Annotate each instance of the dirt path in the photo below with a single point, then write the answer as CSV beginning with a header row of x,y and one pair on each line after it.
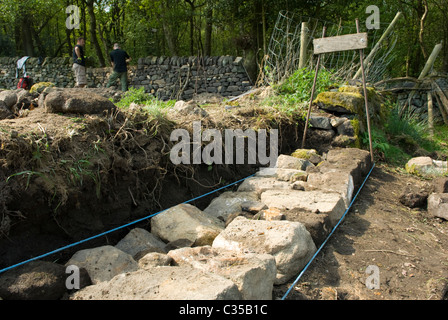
x,y
409,247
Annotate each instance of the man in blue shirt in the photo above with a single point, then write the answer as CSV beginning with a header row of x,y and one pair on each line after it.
x,y
119,59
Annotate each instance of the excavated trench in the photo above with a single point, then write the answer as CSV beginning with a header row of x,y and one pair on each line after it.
x,y
57,190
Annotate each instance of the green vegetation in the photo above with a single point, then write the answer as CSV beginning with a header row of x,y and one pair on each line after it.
x,y
293,95
404,137
147,103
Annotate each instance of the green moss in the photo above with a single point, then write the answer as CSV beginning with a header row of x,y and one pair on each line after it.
x,y
371,93
350,101
357,128
303,153
40,86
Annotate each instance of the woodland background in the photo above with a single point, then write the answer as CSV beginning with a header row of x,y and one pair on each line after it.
x,y
210,28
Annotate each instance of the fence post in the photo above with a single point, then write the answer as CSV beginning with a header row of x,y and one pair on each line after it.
x,y
378,44
303,45
430,114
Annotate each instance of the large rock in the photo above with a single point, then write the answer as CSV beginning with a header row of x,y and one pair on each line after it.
x,y
289,242
36,280
308,154
415,195
320,122
25,100
290,162
154,259
189,108
5,113
329,203
229,203
41,86
350,100
291,175
9,97
341,102
441,185
332,181
162,283
355,162
260,184
426,166
138,240
103,263
419,165
438,205
75,101
346,129
185,221
317,224
254,274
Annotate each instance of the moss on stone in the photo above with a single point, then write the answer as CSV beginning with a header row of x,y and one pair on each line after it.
x,y
350,99
40,86
351,102
356,124
303,153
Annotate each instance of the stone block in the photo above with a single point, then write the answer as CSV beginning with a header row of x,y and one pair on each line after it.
x,y
289,242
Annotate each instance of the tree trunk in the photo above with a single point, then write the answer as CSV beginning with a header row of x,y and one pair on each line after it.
x,y
27,39
93,37
68,33
192,32
208,31
167,29
423,17
104,41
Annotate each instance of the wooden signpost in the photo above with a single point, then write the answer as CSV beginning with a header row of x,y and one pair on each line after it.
x,y
340,43
357,41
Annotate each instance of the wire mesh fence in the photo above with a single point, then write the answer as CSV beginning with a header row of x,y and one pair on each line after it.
x,y
284,49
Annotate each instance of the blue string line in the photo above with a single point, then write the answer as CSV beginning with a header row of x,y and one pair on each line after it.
x,y
326,240
118,228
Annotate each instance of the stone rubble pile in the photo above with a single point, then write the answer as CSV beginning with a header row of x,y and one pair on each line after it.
x,y
239,247
435,195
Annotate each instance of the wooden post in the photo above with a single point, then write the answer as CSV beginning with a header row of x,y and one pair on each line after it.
x,y
378,44
312,94
366,98
432,58
430,115
303,45
441,109
442,101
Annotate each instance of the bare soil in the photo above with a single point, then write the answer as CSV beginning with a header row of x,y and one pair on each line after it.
x,y
409,247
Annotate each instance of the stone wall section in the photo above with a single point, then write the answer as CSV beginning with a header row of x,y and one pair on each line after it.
x,y
165,77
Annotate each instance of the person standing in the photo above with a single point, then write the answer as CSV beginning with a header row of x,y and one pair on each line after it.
x,y
119,59
79,63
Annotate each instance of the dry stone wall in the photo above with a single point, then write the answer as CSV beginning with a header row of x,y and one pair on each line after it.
x,y
165,77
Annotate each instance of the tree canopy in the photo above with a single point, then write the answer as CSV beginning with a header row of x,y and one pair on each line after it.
x,y
205,27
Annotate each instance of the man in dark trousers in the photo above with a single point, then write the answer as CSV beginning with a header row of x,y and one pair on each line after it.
x,y
79,63
119,59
